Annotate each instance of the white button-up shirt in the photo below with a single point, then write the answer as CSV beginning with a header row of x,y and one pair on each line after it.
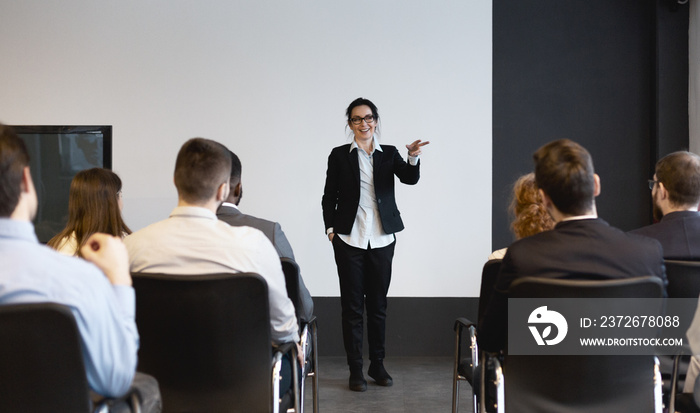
x,y
367,229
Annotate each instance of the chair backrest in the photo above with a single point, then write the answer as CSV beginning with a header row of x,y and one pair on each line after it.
x,y
41,362
206,339
488,281
683,282
291,277
683,278
634,287
581,383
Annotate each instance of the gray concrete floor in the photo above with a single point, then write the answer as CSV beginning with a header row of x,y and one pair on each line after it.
x,y
421,384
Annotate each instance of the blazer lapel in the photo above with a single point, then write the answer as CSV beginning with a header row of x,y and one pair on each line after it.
x,y
354,165
378,156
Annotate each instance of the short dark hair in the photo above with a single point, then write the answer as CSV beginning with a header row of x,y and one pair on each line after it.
x,y
564,171
680,174
236,167
202,165
13,158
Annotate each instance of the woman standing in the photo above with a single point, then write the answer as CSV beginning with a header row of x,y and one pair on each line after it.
x,y
94,205
361,217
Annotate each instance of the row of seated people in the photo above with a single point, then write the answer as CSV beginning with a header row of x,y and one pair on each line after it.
x,y
559,234
205,233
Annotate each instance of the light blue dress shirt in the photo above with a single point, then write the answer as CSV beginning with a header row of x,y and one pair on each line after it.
x,y
32,273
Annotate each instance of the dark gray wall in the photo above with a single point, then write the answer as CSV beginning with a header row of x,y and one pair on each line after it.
x,y
609,74
415,326
671,48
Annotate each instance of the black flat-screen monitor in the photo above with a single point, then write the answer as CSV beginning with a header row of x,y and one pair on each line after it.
x,y
56,154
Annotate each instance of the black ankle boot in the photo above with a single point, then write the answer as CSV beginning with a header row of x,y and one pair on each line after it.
x,y
357,379
379,374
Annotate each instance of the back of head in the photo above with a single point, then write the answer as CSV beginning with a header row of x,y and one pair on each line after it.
x,y
93,206
236,167
530,215
564,171
13,159
680,174
202,165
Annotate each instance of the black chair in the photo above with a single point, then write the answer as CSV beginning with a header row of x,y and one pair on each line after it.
x,y
308,331
583,383
683,278
207,340
41,362
467,359
683,282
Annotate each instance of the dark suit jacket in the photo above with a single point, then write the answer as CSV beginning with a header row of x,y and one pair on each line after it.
x,y
341,195
679,235
273,231
582,249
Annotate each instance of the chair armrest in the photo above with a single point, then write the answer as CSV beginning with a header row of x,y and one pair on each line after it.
x,y
495,366
463,322
129,402
674,383
279,350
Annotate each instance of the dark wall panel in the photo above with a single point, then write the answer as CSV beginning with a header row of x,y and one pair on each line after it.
x,y
671,79
415,326
583,70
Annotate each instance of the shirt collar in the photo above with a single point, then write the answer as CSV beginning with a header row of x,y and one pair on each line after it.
x,y
579,217
192,212
679,215
12,228
377,147
230,205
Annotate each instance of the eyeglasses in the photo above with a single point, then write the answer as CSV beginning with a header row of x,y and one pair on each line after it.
x,y
652,183
357,121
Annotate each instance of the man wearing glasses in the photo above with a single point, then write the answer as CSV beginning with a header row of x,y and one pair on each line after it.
x,y
675,193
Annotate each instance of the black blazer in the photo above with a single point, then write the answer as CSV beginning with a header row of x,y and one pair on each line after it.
x,y
587,249
341,194
679,235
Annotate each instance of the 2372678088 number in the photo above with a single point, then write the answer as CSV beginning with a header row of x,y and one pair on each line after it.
x,y
640,321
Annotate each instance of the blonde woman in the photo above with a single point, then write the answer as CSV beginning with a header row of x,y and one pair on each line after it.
x,y
530,216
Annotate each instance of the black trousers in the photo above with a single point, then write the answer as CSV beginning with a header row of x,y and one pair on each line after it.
x,y
364,276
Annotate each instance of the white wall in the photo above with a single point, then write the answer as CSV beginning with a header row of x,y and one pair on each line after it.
x,y
271,80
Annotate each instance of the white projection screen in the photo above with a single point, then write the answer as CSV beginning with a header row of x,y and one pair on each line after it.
x,y
271,80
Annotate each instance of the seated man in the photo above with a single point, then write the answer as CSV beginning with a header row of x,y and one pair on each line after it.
x,y
675,194
581,245
229,213
100,297
675,197
193,241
